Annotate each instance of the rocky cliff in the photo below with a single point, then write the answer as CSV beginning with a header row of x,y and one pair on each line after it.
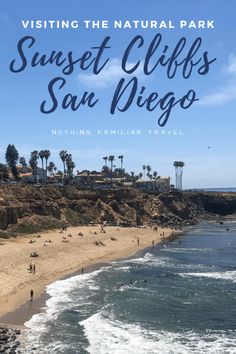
x,y
26,208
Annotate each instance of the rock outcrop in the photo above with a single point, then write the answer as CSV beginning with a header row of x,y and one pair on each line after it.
x,y
9,342
26,208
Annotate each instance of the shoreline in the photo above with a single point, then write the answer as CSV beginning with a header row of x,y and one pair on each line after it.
x,y
18,309
18,317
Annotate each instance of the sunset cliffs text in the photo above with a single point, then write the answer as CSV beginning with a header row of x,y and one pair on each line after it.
x,y
138,57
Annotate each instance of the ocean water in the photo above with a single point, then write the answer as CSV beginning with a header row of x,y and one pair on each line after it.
x,y
231,190
182,300
220,190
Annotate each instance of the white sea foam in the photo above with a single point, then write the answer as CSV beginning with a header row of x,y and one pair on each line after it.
x,y
161,261
124,268
229,275
94,287
108,336
60,300
134,260
131,287
150,259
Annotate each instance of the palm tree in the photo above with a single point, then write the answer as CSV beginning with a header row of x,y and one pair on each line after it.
x,y
121,157
148,167
111,158
12,157
144,168
63,154
51,167
70,165
148,171
105,167
23,163
105,159
155,174
47,154
41,156
34,163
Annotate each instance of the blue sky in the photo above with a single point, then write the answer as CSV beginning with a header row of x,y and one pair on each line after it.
x,y
207,140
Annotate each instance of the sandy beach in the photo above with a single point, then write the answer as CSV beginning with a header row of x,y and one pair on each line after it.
x,y
61,253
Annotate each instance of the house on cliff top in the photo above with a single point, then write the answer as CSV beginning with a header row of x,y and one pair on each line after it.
x,y
159,184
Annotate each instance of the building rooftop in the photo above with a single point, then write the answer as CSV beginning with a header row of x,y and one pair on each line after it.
x,y
143,180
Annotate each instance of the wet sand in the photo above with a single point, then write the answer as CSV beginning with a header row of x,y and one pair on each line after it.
x,y
66,254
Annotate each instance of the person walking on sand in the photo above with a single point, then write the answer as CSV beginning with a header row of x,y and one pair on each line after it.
x,y
34,269
138,241
82,271
102,228
153,244
31,294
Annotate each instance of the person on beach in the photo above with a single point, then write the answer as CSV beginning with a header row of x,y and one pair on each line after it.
x,y
138,241
153,243
82,271
30,267
31,294
102,228
34,269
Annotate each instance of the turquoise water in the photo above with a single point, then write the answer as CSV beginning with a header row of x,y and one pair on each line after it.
x,y
182,299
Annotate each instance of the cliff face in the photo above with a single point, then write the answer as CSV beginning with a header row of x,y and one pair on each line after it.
x,y
29,208
216,203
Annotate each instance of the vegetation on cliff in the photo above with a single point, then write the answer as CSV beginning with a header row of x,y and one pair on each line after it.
x,y
25,208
